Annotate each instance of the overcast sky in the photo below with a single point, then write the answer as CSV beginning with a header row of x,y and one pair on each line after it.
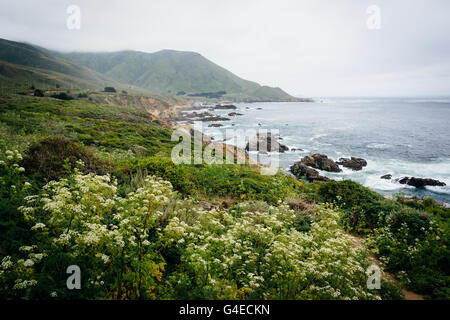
x,y
307,47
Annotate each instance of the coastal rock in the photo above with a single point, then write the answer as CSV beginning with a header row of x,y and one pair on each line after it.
x,y
233,114
203,116
265,142
320,161
421,182
198,115
386,177
214,118
301,171
215,125
225,107
353,163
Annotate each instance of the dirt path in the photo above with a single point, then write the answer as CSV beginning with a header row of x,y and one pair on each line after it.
x,y
409,295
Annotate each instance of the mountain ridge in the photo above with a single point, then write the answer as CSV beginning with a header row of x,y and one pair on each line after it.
x,y
172,71
166,72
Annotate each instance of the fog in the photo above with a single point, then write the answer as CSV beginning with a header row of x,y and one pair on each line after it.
x,y
312,48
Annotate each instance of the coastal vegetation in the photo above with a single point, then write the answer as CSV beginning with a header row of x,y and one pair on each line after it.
x,y
93,185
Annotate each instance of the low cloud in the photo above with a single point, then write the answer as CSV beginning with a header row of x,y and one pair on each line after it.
x,y
316,48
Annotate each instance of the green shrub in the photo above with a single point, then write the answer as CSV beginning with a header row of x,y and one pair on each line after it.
x,y
110,89
391,291
428,205
364,208
433,284
38,93
416,221
242,182
62,96
54,157
414,247
14,230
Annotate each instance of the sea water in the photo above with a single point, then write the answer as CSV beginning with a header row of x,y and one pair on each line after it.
x,y
398,136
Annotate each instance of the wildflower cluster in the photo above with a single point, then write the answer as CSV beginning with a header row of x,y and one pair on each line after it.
x,y
81,220
260,255
151,244
10,166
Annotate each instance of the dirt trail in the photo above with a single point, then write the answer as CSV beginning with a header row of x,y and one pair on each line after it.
x,y
409,295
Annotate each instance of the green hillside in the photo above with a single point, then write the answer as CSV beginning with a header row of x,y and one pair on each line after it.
x,y
23,64
165,72
172,72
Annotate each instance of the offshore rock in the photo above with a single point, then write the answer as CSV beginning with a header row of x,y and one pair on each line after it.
x,y
321,162
353,163
301,171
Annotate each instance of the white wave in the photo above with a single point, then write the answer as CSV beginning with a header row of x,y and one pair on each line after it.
x,y
317,136
375,182
375,145
439,170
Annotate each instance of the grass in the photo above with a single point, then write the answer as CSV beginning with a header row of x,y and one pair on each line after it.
x,y
24,120
217,182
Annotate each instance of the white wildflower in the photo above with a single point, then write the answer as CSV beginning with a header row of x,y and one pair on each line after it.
x,y
38,226
28,263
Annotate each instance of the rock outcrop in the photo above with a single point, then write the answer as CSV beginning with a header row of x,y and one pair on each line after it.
x,y
200,116
214,118
196,114
421,182
353,163
225,107
301,171
321,162
265,142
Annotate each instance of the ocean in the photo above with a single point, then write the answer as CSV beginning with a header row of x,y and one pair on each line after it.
x,y
398,136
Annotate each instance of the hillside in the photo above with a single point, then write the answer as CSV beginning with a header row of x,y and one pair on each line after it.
x,y
167,72
174,72
23,64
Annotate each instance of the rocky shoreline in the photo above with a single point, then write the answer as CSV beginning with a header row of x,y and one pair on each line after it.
x,y
303,170
308,167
